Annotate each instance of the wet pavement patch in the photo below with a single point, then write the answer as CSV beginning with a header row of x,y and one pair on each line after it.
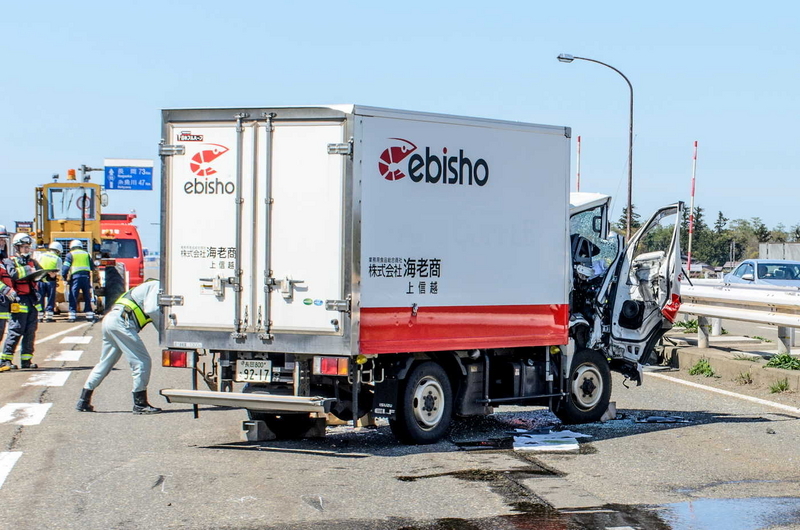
x,y
732,514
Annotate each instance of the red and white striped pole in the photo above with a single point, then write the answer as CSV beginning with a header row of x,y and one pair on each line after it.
x,y
578,185
691,210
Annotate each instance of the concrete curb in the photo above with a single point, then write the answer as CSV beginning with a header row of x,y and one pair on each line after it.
x,y
727,361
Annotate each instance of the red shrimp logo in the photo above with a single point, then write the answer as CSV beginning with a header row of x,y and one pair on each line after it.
x,y
392,156
201,160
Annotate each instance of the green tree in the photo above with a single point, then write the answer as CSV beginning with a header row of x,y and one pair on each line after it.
x,y
636,223
719,225
743,234
779,234
760,229
794,234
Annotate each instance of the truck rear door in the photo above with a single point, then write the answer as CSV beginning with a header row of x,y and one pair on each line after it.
x,y
304,228
254,225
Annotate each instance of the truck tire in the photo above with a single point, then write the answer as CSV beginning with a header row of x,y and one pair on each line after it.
x,y
114,286
425,405
589,388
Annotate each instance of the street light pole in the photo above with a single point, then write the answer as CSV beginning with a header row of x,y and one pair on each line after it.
x,y
566,58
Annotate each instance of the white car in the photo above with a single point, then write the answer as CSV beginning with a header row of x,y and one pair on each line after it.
x,y
766,272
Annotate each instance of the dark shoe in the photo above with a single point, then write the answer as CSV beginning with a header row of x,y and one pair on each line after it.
x,y
5,366
27,364
140,404
85,402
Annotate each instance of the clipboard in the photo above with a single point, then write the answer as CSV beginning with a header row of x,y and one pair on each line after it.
x,y
37,275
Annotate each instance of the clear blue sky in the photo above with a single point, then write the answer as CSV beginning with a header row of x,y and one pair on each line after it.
x,y
84,81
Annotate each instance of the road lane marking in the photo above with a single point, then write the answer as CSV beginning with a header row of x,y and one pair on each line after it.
x,y
76,340
47,379
24,413
54,335
66,355
781,406
7,461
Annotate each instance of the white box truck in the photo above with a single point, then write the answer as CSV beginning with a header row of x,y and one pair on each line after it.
x,y
412,265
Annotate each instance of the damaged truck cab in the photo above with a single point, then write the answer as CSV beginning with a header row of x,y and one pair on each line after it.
x,y
354,260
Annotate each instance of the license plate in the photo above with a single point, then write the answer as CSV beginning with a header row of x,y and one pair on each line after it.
x,y
256,371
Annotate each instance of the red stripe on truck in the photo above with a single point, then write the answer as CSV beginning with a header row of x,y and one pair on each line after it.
x,y
394,329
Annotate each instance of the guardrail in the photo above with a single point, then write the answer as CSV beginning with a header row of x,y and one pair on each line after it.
x,y
712,299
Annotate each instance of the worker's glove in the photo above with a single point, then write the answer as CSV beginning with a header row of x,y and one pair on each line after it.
x,y
12,296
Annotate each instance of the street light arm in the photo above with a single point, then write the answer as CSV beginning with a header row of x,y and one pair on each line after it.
x,y
566,58
609,66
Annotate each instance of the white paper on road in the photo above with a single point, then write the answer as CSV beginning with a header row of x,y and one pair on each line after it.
x,y
76,340
7,461
558,441
66,355
24,413
47,379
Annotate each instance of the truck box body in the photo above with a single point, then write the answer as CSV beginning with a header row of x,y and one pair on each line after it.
x,y
435,230
416,266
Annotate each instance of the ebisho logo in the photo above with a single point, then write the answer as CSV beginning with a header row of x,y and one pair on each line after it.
x,y
200,164
400,161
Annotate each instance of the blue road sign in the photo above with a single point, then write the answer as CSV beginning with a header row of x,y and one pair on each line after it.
x,y
129,178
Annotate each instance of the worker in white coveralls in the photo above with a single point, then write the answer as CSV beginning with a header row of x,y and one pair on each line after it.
x,y
121,326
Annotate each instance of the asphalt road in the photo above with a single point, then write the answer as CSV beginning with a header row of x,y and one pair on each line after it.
x,y
111,469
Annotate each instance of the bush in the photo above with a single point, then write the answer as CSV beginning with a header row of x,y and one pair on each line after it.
x,y
779,386
689,326
702,368
785,361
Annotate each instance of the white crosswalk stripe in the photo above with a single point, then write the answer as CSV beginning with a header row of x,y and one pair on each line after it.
x,y
76,340
66,355
24,413
7,461
47,379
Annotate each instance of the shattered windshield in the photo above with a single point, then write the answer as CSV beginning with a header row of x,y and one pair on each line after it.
x,y
585,224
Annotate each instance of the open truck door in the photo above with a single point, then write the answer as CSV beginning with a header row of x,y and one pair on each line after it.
x,y
643,294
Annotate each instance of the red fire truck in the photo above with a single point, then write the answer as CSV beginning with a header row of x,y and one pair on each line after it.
x,y
120,241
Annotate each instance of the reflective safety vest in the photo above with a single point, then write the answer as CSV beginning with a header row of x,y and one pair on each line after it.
x,y
24,308
23,270
49,260
126,301
80,261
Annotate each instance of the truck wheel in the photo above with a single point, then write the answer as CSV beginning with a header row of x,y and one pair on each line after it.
x,y
114,286
425,406
589,388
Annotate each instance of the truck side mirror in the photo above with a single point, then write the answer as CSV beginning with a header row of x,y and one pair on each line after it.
x,y
749,277
597,224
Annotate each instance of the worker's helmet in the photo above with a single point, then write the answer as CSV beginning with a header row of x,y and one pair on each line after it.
x,y
75,243
22,239
3,231
55,245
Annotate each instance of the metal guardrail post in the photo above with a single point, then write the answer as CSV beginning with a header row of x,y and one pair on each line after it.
x,y
716,327
785,339
703,329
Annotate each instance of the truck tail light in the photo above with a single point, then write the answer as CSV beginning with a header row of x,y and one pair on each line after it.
x,y
176,358
331,366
